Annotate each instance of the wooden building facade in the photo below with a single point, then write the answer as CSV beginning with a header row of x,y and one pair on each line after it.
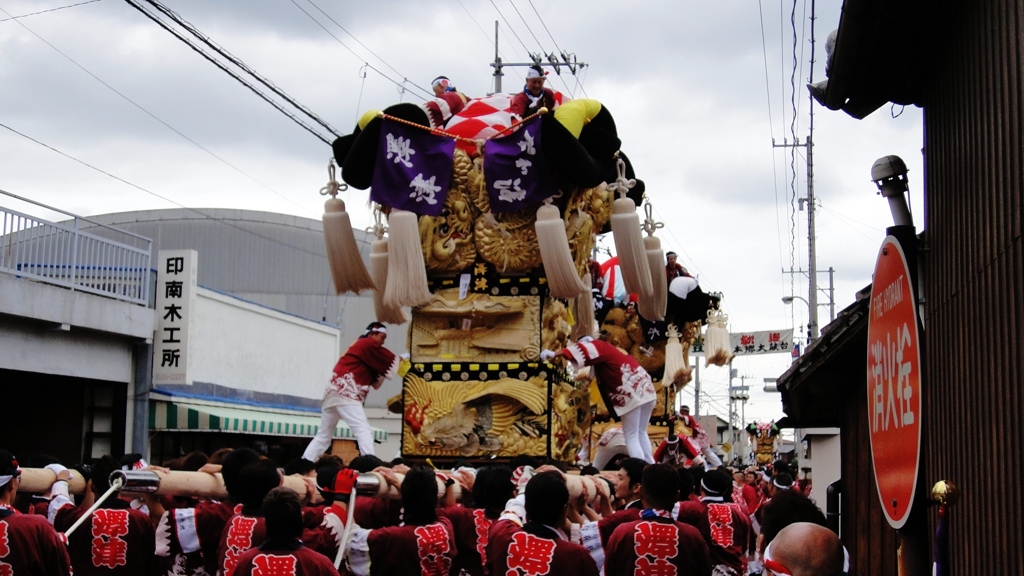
x,y
963,62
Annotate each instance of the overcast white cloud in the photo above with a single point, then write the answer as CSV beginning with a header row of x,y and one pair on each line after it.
x,y
686,82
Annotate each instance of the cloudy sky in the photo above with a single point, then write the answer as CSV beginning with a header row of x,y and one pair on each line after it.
x,y
699,90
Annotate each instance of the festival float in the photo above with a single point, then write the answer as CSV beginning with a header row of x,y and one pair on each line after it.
x,y
485,227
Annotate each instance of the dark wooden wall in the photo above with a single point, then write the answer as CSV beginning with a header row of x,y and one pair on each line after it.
x,y
863,527
973,279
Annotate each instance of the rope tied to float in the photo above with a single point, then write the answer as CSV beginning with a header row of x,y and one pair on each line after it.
x,y
477,143
650,224
622,185
333,186
378,229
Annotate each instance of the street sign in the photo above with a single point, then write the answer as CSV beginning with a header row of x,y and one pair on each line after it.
x,y
894,383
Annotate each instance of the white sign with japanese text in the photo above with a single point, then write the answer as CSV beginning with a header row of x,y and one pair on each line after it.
x,y
754,343
177,272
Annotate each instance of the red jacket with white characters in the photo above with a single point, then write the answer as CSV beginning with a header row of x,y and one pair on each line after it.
x,y
364,363
292,559
624,384
657,545
472,527
241,533
409,550
116,539
725,529
535,550
30,546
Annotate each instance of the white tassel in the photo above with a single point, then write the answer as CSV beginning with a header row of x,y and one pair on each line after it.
x,y
379,271
677,369
717,347
653,307
629,242
407,272
347,268
583,310
563,279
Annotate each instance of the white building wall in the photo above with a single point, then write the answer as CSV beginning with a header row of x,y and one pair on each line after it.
x,y
248,347
825,460
54,330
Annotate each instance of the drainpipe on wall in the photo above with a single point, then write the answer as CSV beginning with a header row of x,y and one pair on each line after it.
x,y
142,361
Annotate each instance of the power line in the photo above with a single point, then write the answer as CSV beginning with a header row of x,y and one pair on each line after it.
x,y
155,195
510,27
150,114
528,29
238,63
545,27
338,40
45,11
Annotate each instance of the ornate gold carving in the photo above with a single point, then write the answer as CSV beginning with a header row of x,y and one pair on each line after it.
x,y
448,239
508,240
503,417
478,327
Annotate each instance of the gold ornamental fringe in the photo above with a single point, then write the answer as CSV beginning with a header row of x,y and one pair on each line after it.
x,y
559,268
407,272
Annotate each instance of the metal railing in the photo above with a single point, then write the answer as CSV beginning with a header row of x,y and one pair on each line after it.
x,y
63,255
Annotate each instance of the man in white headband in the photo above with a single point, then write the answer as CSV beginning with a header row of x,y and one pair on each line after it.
x,y
533,96
726,530
28,543
447,102
366,364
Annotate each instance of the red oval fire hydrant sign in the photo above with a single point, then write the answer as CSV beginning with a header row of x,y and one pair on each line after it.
x,y
894,383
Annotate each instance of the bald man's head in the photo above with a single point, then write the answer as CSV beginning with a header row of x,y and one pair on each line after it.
x,y
807,549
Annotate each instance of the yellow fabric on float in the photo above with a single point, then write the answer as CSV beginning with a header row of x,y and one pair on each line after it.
x,y
575,114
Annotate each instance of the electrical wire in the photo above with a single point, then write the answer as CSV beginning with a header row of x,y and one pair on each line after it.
x,y
50,10
232,73
153,116
553,41
233,60
405,80
161,197
528,29
510,27
539,43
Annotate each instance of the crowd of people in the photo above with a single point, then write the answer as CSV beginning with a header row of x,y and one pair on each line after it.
x,y
515,518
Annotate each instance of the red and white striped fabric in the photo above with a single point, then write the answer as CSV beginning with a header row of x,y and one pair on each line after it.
x,y
484,117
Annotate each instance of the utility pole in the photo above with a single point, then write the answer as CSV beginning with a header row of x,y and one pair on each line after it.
x,y
737,394
812,255
555,61
696,389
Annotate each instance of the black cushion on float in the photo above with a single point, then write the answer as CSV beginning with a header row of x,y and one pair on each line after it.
x,y
357,170
566,156
600,138
690,309
342,145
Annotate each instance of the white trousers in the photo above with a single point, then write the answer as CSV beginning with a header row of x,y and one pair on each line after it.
x,y
634,429
354,417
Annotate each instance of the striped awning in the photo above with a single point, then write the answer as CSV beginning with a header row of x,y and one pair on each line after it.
x,y
181,416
